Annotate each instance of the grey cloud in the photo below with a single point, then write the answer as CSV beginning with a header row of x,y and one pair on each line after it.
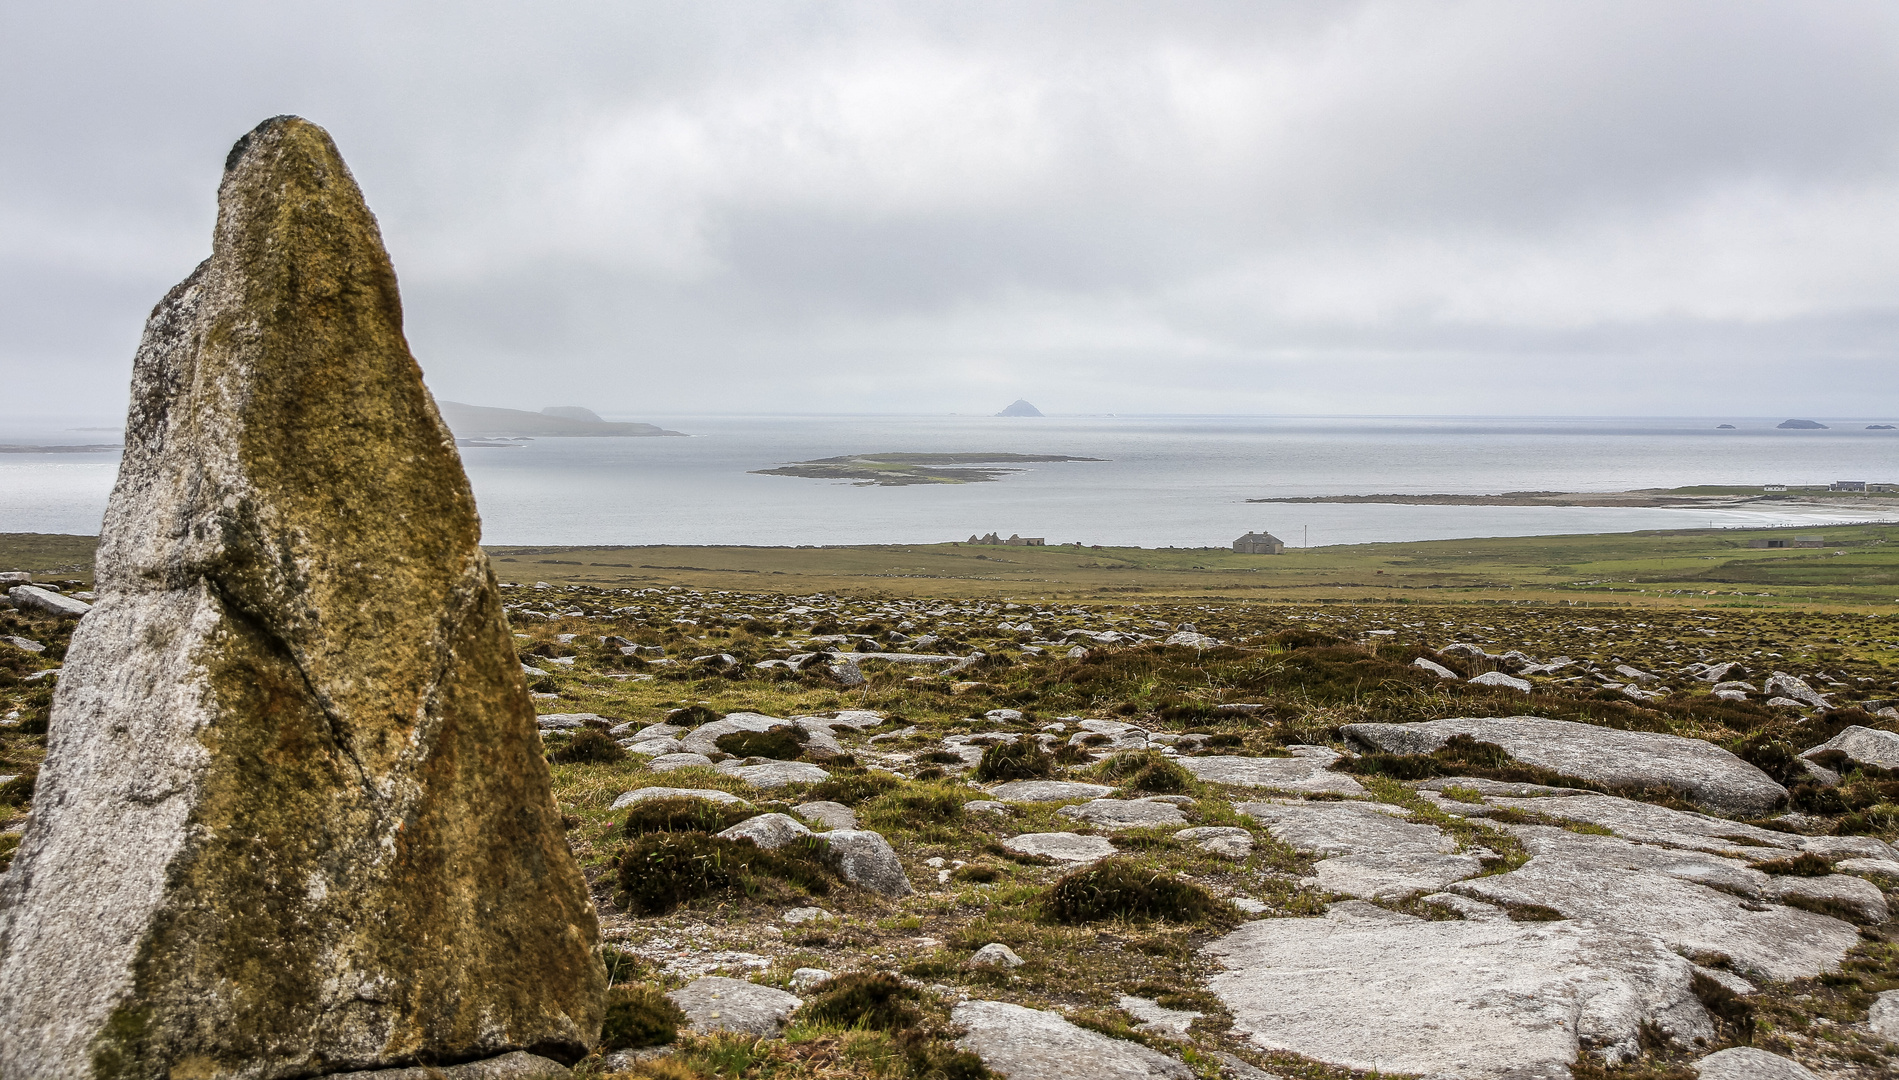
x,y
1209,207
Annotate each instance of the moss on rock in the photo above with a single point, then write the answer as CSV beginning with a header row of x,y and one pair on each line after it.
x,y
294,816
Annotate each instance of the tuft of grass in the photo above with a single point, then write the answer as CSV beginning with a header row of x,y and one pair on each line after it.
x,y
693,716
1533,913
1805,864
782,742
1023,759
853,788
639,1015
589,746
683,814
1117,888
1727,1007
663,1068
660,871
1146,771
1461,755
874,1000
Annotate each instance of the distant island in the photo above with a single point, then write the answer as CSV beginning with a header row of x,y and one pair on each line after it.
x,y
89,448
1802,425
1020,408
479,422
901,470
1706,497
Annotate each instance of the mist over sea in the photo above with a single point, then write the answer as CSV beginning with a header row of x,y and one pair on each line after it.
x,y
1180,481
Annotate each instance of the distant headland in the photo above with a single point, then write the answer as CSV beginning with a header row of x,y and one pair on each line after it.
x,y
483,422
1838,493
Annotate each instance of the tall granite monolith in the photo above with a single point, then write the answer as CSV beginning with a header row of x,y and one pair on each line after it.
x,y
294,819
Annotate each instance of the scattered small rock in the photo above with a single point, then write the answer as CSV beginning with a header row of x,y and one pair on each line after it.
x,y
715,1003
804,980
831,815
996,954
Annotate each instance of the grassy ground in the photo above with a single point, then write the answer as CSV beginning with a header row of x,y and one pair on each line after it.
x,y
1308,666
1685,568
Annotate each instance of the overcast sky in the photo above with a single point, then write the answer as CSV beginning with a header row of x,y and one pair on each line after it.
x,y
651,208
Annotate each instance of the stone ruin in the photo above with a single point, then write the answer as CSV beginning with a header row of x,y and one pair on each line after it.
x,y
294,818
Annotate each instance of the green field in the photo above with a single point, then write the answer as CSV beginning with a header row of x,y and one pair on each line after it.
x,y
1690,567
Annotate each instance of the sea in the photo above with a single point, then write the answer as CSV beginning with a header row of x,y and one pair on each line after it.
x,y
1162,481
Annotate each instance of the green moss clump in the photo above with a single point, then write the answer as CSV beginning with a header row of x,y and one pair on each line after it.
x,y
1023,759
693,716
588,746
780,743
683,814
1118,889
880,1001
1460,755
1146,771
853,788
640,1015
875,1000
1805,864
660,871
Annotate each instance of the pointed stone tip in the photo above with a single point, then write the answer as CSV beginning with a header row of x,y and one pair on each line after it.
x,y
237,149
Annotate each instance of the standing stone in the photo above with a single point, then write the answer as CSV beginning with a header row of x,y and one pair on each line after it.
x,y
294,818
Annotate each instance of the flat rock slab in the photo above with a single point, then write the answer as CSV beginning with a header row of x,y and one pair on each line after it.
x,y
1307,770
1843,891
1659,892
715,1003
1049,791
1125,814
519,1065
1747,1063
669,762
1393,874
1029,1044
1699,771
1346,828
1656,824
1868,746
627,799
1504,788
1465,1000
1062,846
774,774
831,815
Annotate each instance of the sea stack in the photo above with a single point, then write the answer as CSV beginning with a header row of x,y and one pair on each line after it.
x,y
294,818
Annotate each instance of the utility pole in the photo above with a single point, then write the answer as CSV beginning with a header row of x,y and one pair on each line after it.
x,y
1307,542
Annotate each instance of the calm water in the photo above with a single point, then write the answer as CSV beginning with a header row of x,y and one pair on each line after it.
x,y
1166,481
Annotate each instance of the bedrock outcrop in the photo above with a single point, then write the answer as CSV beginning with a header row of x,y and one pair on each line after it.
x,y
294,818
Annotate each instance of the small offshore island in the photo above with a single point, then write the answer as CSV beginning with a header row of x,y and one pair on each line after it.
x,y
900,470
